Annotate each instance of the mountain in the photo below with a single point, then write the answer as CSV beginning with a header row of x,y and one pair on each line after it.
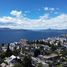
x,y
11,35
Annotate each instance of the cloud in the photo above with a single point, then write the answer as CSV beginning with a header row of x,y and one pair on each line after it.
x,y
56,12
46,8
43,22
52,9
59,22
6,19
49,9
16,13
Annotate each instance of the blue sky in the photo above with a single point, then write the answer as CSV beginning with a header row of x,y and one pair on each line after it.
x,y
24,5
33,14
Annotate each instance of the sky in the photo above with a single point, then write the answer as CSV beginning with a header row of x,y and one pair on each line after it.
x,y
33,14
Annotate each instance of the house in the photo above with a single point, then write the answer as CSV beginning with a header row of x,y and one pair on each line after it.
x,y
3,65
36,61
64,64
53,55
23,42
12,60
4,48
12,46
9,59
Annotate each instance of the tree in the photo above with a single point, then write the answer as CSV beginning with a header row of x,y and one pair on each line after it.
x,y
16,51
27,61
3,55
54,47
2,44
8,52
36,52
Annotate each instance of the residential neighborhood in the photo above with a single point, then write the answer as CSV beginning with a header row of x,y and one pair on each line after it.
x,y
50,52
